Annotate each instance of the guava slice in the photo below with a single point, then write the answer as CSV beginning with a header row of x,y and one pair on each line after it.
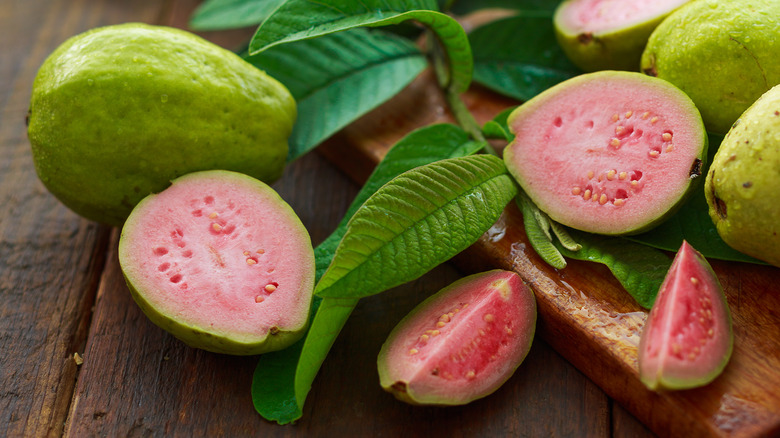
x,y
221,262
609,152
723,54
461,343
608,34
118,111
687,339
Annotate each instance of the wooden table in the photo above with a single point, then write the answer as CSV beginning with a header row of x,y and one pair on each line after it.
x,y
62,295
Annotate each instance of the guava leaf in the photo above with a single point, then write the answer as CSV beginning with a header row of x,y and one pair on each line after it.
x,y
546,7
539,238
693,224
418,220
283,379
304,19
231,14
640,269
337,78
519,56
420,147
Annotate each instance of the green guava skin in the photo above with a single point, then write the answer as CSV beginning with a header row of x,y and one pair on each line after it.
x,y
743,184
618,49
723,54
119,111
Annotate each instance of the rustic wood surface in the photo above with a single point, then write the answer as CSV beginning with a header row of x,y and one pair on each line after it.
x,y
63,295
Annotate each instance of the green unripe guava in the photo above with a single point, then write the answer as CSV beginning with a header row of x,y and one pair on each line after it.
x,y
118,112
723,54
743,183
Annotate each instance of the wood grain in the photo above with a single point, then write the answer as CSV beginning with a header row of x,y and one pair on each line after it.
x,y
585,313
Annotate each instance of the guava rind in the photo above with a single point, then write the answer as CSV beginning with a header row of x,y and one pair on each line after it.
x,y
118,111
484,325
574,124
197,258
613,46
743,182
723,54
687,339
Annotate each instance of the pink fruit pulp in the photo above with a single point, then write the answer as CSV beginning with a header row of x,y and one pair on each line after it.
x,y
462,343
217,253
687,338
607,152
601,16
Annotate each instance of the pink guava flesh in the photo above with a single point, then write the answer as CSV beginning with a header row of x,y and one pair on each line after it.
x,y
687,339
608,152
221,253
602,16
462,343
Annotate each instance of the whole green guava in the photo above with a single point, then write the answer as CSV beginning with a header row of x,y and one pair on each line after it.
x,y
119,111
743,183
723,54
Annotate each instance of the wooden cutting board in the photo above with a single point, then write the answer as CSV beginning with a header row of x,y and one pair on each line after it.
x,y
584,313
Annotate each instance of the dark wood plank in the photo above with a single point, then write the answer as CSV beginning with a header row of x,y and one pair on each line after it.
x,y
49,258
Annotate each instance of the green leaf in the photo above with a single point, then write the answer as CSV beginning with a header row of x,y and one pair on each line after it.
x,y
538,236
693,224
519,56
542,7
304,19
337,78
639,269
283,379
421,147
231,14
418,220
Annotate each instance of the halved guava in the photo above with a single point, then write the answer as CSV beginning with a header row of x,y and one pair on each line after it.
x,y
608,34
220,261
462,343
608,152
687,339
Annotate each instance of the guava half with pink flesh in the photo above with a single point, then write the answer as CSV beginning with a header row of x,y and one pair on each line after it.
x,y
687,339
608,34
462,343
220,261
608,152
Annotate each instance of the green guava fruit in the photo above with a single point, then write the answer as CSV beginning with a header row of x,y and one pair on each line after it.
x,y
610,152
221,262
608,34
743,184
723,54
687,339
461,343
118,111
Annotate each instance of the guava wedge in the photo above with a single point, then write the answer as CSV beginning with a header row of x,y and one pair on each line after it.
x,y
723,54
687,339
221,262
742,187
118,111
608,34
610,152
462,343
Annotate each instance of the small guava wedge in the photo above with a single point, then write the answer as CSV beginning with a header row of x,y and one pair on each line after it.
x,y
462,343
608,34
609,152
220,261
119,111
687,339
